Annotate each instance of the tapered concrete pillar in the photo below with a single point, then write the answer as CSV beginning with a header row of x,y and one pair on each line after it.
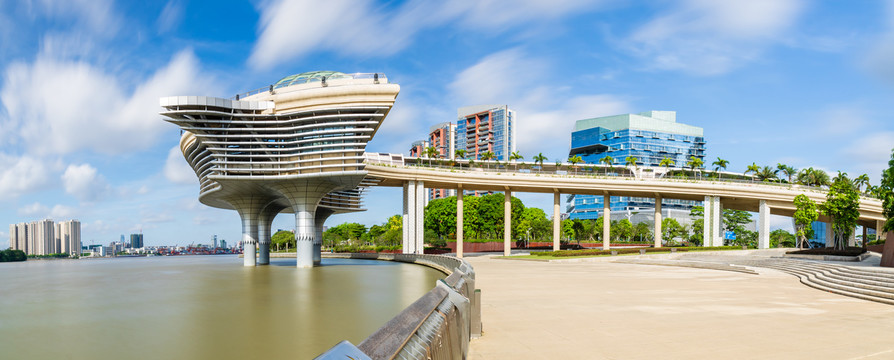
x,y
879,225
606,222
852,238
409,214
265,221
716,220
320,217
707,229
865,235
763,231
507,223
557,222
304,234
249,238
419,219
303,198
459,223
657,229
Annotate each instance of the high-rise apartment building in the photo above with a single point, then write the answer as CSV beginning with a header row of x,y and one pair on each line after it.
x,y
484,128
45,237
136,241
417,148
649,137
443,138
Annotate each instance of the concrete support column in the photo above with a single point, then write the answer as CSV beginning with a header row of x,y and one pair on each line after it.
x,y
657,221
320,217
707,229
879,225
763,230
407,221
557,222
265,221
249,237
459,223
419,219
606,222
304,234
716,220
507,223
852,238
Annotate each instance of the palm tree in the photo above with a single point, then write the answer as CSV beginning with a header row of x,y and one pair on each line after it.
x,y
631,160
430,152
460,153
539,159
767,174
753,169
667,163
861,181
608,160
515,156
786,170
812,177
720,165
574,160
487,156
694,163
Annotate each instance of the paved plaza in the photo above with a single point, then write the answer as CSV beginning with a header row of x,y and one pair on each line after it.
x,y
597,309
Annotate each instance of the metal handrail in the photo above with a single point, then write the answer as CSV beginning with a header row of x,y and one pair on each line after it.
x,y
439,165
269,88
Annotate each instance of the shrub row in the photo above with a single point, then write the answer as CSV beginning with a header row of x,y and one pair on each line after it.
x,y
10,255
592,252
850,251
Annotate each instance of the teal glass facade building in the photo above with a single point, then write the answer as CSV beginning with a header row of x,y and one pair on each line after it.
x,y
650,137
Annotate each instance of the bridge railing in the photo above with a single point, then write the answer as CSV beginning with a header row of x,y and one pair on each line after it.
x,y
438,325
591,171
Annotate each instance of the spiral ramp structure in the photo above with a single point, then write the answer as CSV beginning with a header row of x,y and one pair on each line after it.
x,y
296,147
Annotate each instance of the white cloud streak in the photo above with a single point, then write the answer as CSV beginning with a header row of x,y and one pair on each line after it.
x,y
705,37
177,170
362,27
38,210
84,183
56,106
23,175
545,113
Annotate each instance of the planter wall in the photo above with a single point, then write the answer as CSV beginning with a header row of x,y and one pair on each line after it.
x,y
480,247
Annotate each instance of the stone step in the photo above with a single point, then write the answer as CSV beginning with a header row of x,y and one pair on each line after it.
x,y
809,278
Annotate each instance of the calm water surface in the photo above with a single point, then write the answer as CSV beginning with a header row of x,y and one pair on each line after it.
x,y
197,307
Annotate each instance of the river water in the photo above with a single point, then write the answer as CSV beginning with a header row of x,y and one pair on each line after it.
x,y
197,307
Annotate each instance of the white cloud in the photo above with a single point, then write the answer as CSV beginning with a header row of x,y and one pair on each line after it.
x,y
706,37
545,113
177,170
38,210
362,27
97,15
170,16
83,182
56,106
23,175
881,55
867,154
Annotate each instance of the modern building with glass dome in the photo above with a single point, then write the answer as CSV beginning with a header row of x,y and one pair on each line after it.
x,y
295,146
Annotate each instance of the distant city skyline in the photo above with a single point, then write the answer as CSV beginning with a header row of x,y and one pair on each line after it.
x,y
788,81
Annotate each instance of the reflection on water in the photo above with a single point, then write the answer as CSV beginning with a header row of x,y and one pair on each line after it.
x,y
193,307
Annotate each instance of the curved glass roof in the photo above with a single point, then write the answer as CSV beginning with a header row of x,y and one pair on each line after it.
x,y
308,77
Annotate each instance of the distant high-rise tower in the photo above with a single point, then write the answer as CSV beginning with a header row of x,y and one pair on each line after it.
x,y
417,148
136,241
214,242
484,128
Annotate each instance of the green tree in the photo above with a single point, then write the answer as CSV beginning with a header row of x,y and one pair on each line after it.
x,y
697,213
812,177
642,231
440,216
567,228
621,229
786,170
667,163
842,205
805,214
283,239
861,181
720,165
460,153
753,169
781,238
671,229
608,161
694,163
767,174
574,160
532,224
885,192
735,220
539,159
631,161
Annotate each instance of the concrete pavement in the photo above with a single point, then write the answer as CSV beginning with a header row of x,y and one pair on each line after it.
x,y
604,310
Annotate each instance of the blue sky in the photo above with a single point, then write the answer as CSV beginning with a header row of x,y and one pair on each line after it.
x,y
798,82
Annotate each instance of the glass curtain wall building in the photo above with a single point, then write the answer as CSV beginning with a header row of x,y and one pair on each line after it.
x,y
484,128
650,137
